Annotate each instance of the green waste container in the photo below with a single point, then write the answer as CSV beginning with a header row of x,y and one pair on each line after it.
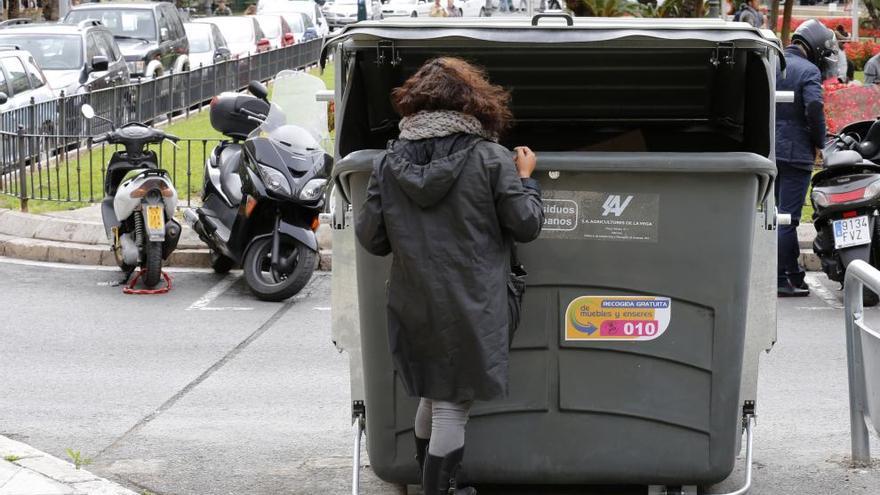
x,y
654,144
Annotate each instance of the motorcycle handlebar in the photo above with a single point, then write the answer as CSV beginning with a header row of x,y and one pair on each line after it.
x,y
101,138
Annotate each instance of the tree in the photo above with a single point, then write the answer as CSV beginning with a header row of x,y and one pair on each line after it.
x,y
12,9
49,10
786,22
677,8
602,8
873,8
774,14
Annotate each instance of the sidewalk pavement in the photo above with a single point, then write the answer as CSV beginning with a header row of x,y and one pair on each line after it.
x,y
25,470
78,237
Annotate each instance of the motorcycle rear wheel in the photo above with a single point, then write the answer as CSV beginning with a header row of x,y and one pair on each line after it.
x,y
220,263
265,282
153,264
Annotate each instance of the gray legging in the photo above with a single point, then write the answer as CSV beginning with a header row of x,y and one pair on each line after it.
x,y
443,422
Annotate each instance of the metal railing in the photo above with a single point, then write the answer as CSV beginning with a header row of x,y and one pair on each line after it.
x,y
144,100
863,360
70,168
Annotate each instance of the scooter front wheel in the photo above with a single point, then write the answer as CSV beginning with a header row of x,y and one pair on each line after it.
x,y
269,284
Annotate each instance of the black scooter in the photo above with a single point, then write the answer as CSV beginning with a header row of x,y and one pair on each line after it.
x,y
846,199
262,194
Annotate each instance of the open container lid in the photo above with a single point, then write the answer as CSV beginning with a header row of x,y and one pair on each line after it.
x,y
554,29
576,84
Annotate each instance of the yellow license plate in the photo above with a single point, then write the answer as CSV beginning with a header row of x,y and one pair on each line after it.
x,y
155,218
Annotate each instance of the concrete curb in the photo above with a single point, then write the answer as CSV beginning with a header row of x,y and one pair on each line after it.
x,y
25,470
83,241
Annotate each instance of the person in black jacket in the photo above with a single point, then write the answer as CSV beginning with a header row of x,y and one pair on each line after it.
x,y
448,201
800,136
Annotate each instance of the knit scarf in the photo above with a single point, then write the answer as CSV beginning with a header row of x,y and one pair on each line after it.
x,y
439,123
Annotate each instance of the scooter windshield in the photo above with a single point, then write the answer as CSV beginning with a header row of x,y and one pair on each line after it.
x,y
297,120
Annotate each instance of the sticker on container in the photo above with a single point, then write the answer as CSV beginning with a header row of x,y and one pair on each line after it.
x,y
624,318
602,216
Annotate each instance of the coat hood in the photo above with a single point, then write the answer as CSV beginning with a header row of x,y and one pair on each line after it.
x,y
426,169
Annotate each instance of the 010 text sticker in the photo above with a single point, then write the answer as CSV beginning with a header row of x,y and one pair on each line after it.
x,y
633,318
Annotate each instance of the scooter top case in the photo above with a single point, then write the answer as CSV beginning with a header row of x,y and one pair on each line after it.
x,y
636,359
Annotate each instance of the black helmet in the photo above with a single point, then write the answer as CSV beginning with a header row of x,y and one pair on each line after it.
x,y
819,43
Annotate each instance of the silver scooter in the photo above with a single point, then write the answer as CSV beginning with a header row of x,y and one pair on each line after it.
x,y
139,200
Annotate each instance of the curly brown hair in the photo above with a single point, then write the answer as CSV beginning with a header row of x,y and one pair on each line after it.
x,y
449,83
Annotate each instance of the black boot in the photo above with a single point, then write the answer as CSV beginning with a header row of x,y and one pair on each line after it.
x,y
439,477
787,289
421,452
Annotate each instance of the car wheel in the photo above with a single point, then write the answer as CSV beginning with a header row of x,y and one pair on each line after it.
x,y
460,13
414,14
482,12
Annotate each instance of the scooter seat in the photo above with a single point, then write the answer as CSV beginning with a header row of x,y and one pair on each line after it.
x,y
845,157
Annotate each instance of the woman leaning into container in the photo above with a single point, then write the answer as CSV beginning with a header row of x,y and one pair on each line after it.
x,y
448,201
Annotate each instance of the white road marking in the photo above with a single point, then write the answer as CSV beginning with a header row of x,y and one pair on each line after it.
x,y
66,266
814,308
213,293
823,293
321,308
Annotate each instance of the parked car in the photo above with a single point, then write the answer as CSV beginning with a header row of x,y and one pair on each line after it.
x,y
20,80
407,8
276,29
302,26
207,45
74,58
341,13
150,35
243,34
308,7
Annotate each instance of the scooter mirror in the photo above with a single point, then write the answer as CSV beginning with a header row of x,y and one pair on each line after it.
x,y
87,111
258,89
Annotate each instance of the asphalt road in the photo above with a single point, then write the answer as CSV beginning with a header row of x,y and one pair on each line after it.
x,y
209,391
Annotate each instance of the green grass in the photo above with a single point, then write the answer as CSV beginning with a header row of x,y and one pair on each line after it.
x,y
807,212
11,458
77,180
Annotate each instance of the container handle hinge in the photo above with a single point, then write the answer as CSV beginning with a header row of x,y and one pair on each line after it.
x,y
723,54
749,411
386,53
358,417
358,410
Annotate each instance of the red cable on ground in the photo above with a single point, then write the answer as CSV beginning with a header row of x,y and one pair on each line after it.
x,y
129,289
